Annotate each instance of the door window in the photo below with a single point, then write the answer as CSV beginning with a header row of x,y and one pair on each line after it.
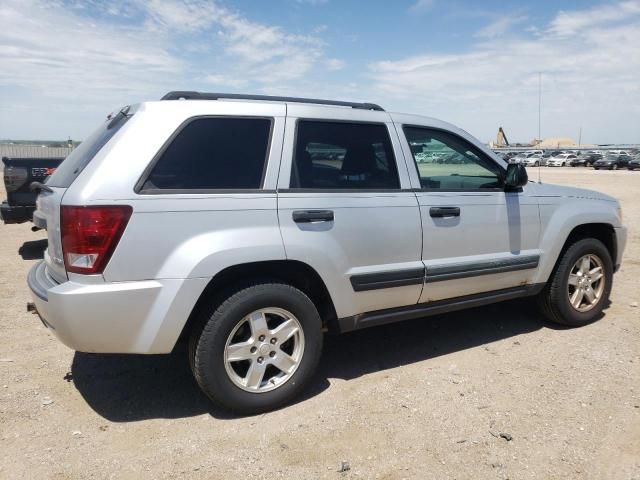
x,y
343,155
447,162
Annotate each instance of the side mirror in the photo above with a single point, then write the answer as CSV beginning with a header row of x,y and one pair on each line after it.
x,y
516,176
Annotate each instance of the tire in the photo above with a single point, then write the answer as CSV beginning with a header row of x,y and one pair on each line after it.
x,y
596,168
614,167
554,299
208,347
537,164
588,164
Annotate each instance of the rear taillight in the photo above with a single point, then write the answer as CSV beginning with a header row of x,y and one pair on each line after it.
x,y
90,235
15,177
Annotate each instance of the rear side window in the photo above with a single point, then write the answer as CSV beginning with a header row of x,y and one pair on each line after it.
x,y
213,153
77,160
341,155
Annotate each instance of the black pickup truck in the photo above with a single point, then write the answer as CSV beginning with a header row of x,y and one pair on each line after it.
x,y
18,175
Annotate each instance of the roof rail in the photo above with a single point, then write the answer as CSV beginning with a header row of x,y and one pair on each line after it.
x,y
186,95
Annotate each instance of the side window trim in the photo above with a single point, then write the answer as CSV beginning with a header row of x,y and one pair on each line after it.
x,y
138,187
343,190
478,152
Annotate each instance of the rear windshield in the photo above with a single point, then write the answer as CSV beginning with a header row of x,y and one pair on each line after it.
x,y
77,160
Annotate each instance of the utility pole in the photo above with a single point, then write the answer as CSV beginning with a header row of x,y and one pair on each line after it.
x,y
539,102
580,138
539,110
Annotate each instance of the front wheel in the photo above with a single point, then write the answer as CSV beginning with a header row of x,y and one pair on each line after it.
x,y
614,167
579,286
258,349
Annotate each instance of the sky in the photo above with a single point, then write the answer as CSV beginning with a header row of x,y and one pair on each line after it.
x,y
65,64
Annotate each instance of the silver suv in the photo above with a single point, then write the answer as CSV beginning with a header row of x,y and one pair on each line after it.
x,y
250,225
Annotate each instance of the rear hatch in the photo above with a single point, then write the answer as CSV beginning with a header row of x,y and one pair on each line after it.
x,y
47,214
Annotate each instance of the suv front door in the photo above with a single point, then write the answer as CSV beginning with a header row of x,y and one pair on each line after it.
x,y
477,237
346,208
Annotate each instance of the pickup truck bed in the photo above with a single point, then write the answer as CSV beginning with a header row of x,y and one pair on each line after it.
x,y
18,175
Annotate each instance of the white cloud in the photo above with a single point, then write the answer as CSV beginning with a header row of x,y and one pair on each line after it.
x,y
589,76
568,23
500,26
334,64
421,6
72,62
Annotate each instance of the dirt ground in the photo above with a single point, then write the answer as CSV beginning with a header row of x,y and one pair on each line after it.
x,y
417,400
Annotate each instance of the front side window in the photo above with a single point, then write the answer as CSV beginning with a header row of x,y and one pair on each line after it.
x,y
213,153
447,162
342,155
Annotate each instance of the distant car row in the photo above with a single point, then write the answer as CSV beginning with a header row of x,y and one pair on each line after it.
x,y
598,159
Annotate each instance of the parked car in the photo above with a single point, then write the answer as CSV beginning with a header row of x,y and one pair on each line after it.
x,y
586,160
612,161
19,173
534,160
503,155
561,160
210,220
520,158
634,163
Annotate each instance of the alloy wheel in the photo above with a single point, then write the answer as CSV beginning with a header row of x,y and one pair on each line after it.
x,y
264,350
586,283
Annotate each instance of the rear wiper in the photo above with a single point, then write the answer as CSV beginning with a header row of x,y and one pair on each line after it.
x,y
38,186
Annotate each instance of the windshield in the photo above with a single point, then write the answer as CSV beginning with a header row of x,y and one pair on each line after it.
x,y
77,160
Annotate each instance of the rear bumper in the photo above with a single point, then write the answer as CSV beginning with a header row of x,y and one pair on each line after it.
x,y
126,317
16,213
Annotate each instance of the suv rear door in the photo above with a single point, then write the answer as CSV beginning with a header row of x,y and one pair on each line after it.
x,y
477,237
346,209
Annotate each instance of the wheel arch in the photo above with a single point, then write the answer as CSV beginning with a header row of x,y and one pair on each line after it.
x,y
602,231
292,272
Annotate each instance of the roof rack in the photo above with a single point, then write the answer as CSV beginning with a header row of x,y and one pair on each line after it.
x,y
186,95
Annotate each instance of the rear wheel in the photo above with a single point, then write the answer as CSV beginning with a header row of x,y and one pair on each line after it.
x,y
614,167
579,287
258,349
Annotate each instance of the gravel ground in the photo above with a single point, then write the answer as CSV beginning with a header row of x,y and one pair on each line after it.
x,y
492,392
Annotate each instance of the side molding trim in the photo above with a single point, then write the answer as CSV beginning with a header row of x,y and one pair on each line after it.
x,y
378,280
391,315
440,273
